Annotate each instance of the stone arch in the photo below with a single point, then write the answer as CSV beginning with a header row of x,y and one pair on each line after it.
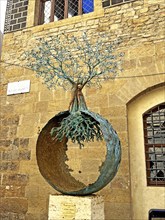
x,y
133,87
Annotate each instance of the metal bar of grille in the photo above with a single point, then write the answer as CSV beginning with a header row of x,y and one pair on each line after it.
x,y
66,9
152,169
80,7
52,10
41,12
156,161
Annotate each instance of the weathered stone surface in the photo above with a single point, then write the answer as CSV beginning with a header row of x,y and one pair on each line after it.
x,y
74,207
10,155
4,132
20,142
12,216
24,142
5,143
14,179
140,25
9,166
41,106
17,205
12,191
118,211
25,155
124,168
121,182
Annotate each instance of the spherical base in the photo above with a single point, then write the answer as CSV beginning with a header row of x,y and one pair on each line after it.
x,y
51,158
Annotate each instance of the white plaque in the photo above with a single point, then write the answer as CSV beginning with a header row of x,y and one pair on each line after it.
x,y
18,87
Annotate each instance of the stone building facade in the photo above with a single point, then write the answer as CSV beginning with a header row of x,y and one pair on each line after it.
x,y
1,39
123,101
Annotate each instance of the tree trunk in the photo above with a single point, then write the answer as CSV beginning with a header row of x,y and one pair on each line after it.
x,y
77,102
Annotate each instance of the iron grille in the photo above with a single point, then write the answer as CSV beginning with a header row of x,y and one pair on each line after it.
x,y
16,15
54,10
8,16
106,3
154,137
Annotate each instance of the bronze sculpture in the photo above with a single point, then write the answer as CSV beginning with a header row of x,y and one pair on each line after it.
x,y
77,123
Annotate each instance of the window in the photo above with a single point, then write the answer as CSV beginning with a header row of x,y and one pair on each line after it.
x,y
156,214
54,10
154,138
107,3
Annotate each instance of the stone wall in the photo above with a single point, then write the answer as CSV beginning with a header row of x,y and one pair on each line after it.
x,y
24,191
16,14
1,39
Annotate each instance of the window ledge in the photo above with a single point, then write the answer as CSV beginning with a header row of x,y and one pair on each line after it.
x,y
73,20
119,4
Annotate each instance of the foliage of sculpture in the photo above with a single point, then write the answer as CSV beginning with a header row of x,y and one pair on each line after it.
x,y
73,63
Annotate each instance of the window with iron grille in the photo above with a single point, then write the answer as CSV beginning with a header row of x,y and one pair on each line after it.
x,y
54,10
107,3
154,138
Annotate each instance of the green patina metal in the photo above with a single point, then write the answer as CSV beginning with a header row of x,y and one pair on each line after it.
x,y
78,127
78,64
51,158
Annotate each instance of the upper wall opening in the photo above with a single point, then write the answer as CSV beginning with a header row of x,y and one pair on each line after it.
x,y
57,10
50,10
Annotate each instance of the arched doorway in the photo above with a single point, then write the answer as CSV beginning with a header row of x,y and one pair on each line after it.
x,y
143,197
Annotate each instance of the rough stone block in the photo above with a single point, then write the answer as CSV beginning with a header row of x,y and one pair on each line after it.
x,y
41,106
11,120
25,155
115,111
46,95
124,168
120,211
5,143
4,132
9,166
10,155
120,182
28,119
12,191
24,142
91,166
76,207
17,205
13,216
15,179
26,108
26,131
117,195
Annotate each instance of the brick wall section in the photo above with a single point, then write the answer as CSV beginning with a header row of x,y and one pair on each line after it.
x,y
16,14
141,26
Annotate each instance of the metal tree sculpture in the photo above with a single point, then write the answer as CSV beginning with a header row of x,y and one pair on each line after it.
x,y
68,61
73,63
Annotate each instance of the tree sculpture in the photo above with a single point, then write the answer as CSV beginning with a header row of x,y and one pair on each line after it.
x,y
73,63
